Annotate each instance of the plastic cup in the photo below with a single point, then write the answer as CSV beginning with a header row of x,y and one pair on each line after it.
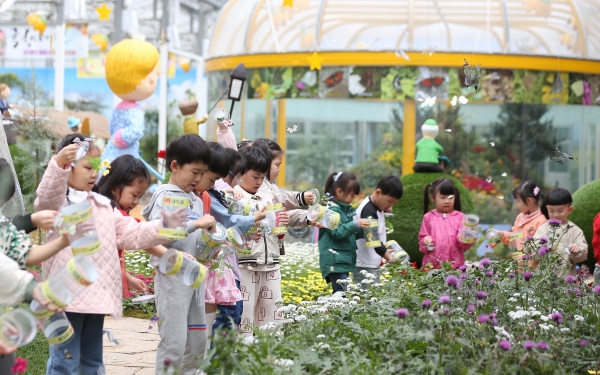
x,y
17,327
56,326
81,151
315,212
274,212
81,228
189,272
209,243
430,247
244,206
142,300
471,220
467,236
172,204
235,237
566,250
331,219
317,196
371,235
492,235
62,287
398,253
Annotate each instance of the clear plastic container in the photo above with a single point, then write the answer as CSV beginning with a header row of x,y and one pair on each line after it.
x,y
235,237
56,326
17,327
81,151
169,228
471,221
244,206
174,263
493,236
319,214
63,286
208,243
398,254
467,236
371,235
78,222
274,212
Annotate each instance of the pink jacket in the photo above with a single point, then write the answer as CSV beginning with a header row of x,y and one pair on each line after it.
x,y
444,232
115,231
526,224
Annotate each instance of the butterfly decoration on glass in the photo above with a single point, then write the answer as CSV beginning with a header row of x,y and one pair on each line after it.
x,y
334,79
292,129
401,54
557,156
472,74
432,81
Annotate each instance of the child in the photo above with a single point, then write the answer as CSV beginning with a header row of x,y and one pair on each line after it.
x,y
387,193
337,247
237,166
441,226
68,182
528,196
182,344
571,245
596,246
261,281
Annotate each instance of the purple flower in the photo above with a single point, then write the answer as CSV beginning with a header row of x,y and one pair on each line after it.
x,y
444,299
300,85
554,222
426,303
476,282
446,311
543,240
583,343
529,345
483,318
557,317
481,295
597,289
569,279
463,268
167,362
401,313
470,309
511,275
527,276
529,238
485,262
504,344
452,281
491,281
493,320
490,273
463,276
542,345
543,250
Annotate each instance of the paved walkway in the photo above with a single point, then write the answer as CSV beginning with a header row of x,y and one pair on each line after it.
x,y
136,352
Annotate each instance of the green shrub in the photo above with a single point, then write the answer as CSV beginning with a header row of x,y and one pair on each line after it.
x,y
587,206
408,212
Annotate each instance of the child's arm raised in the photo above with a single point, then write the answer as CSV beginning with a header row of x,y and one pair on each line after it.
x,y
225,137
53,188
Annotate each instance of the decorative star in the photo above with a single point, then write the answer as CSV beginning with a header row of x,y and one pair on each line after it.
x,y
104,12
288,3
315,61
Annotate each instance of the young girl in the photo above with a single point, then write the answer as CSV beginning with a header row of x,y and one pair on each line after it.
x,y
337,247
528,198
67,181
441,226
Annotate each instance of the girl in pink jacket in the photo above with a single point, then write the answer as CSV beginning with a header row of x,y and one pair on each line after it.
x,y
439,234
70,181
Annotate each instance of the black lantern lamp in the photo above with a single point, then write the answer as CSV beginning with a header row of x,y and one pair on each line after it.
x,y
236,85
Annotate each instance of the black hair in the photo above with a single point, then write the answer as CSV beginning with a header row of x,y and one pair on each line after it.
x,y
69,139
7,182
256,160
270,148
342,180
243,144
390,185
235,162
219,163
189,148
442,186
527,189
556,197
124,171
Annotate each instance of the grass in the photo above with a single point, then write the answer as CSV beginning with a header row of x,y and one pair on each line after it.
x,y
37,354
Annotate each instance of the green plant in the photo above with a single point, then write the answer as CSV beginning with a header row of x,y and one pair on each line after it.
x,y
408,212
586,206
149,143
36,353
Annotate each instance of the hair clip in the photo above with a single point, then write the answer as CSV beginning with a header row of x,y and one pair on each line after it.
x,y
536,191
335,178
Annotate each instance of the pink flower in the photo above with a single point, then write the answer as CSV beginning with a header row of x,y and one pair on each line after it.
x,y
20,366
504,344
542,345
557,317
569,279
452,281
485,262
401,313
536,191
529,345
527,275
444,299
481,295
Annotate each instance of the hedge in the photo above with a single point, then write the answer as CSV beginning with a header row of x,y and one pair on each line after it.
x,y
586,201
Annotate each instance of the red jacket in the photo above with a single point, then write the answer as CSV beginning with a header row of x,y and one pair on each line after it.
x,y
596,238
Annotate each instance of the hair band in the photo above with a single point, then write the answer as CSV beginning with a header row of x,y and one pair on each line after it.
x,y
335,178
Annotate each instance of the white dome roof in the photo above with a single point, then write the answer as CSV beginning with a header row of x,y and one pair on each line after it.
x,y
566,28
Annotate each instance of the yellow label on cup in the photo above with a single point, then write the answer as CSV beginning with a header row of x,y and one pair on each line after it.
x,y
275,207
173,234
373,244
47,293
247,209
63,337
201,277
321,213
515,236
76,275
373,224
78,217
279,230
177,266
176,201
87,250
334,220
231,237
244,252
43,314
390,243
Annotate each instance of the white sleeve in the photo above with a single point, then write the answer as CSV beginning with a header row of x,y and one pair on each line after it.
x,y
13,280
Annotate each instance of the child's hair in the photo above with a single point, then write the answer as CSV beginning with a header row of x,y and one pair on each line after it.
x,y
390,185
235,162
219,163
442,186
7,182
124,171
128,63
342,180
268,145
189,148
256,160
528,189
188,107
69,139
243,144
556,197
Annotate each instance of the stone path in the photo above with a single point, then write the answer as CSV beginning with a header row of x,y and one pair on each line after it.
x,y
137,350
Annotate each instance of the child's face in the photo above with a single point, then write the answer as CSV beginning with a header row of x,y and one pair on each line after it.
x,y
207,182
523,206
383,202
444,203
252,180
129,196
188,176
275,167
560,212
348,197
83,176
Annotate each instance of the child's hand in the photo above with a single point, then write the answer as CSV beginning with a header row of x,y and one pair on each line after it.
x,y
175,219
427,241
206,222
39,296
315,224
44,219
284,218
64,240
136,284
237,195
364,223
388,255
261,214
66,156
309,197
573,248
189,256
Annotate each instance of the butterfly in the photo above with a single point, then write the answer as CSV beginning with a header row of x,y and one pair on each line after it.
x,y
334,79
433,81
472,74
493,144
367,79
292,129
557,155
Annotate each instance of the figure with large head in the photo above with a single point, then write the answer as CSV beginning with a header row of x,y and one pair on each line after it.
x,y
131,75
428,150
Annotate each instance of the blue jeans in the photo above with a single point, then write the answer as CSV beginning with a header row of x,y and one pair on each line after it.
x,y
83,354
334,277
228,312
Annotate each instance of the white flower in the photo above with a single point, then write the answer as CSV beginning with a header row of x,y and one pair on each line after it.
x,y
544,318
353,303
300,318
367,281
364,272
512,299
372,300
545,327
459,298
354,85
324,346
249,340
321,337
579,318
269,326
565,330
283,363
516,295
356,298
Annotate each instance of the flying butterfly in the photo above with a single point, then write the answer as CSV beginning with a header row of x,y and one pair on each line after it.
x,y
472,74
334,79
292,129
557,156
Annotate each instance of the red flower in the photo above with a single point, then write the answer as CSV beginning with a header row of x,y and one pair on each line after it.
x,y
162,154
478,148
20,366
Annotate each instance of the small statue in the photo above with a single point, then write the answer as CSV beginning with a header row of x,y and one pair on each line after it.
x,y
190,123
73,124
428,150
4,94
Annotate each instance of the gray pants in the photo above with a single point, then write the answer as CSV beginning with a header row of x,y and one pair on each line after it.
x,y
181,324
596,274
359,277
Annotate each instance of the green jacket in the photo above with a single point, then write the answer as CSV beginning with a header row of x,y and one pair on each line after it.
x,y
428,151
342,240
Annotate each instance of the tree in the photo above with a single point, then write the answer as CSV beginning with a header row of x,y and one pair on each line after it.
x,y
11,79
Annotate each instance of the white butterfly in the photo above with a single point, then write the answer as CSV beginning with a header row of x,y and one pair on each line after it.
x,y
492,144
449,130
292,129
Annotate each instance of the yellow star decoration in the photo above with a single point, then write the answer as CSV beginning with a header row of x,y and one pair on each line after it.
x,y
315,61
104,12
288,3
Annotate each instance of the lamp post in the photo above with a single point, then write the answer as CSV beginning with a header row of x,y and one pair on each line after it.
x,y
236,85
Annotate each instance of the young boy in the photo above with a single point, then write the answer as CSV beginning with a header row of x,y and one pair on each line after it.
x,y
388,192
596,247
572,247
182,321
